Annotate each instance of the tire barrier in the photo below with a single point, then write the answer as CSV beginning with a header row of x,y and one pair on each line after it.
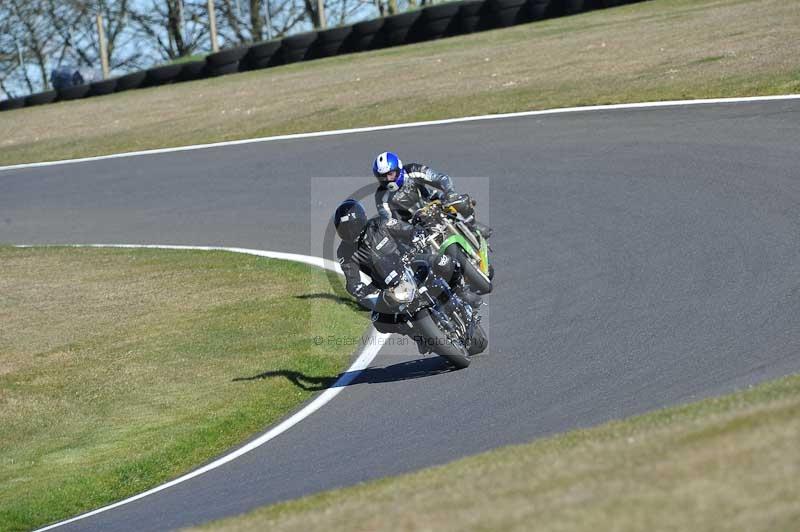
x,y
226,57
41,98
225,61
366,35
567,7
223,70
397,29
74,93
192,70
162,75
130,81
473,15
12,103
330,42
439,21
538,9
103,87
262,55
507,13
603,4
431,22
298,47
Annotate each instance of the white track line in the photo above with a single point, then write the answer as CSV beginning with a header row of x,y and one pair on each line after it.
x,y
644,105
372,345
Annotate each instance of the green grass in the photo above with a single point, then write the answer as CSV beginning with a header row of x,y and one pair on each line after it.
x,y
120,369
186,59
655,50
728,463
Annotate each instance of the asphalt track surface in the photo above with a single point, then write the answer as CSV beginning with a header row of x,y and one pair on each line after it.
x,y
644,258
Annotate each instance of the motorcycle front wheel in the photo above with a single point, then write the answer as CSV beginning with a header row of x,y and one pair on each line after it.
x,y
437,341
472,273
479,341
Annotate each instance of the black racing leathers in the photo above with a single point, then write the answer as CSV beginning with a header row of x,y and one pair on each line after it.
x,y
420,185
379,238
383,238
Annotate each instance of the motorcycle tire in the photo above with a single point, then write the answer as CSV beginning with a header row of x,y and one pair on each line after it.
x,y
438,341
479,341
472,275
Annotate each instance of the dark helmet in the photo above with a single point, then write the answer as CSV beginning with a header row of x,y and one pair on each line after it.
x,y
349,219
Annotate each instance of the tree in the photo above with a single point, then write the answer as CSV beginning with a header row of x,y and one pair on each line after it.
x,y
171,28
26,42
74,20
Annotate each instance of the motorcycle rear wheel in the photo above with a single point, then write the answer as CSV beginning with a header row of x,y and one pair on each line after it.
x,y
438,342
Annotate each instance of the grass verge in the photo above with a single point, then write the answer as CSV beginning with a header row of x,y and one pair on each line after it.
x,y
120,369
656,50
728,463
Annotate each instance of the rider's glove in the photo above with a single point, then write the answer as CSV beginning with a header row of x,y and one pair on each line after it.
x,y
454,198
360,291
418,240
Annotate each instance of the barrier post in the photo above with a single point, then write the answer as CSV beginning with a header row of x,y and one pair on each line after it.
x,y
212,23
321,10
101,34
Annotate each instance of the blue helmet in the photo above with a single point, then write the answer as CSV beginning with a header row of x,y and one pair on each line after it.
x,y
386,163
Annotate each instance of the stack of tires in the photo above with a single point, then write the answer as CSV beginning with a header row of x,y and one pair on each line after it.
x,y
162,75
331,42
262,55
567,7
603,4
439,21
12,103
192,70
74,93
473,15
298,47
507,13
401,29
103,87
40,98
366,35
538,9
225,61
130,81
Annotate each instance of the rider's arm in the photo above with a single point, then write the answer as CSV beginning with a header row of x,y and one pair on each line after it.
x,y
431,177
400,230
352,274
382,197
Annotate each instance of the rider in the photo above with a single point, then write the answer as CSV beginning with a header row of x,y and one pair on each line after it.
x,y
402,189
366,240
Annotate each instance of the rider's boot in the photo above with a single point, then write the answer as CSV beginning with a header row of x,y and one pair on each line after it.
x,y
470,297
460,287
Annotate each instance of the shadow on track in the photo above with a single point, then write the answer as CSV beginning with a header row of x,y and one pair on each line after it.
x,y
412,369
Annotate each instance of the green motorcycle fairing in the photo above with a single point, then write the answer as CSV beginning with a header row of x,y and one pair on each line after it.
x,y
482,255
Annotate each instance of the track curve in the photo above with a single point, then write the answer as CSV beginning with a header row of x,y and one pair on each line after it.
x,y
644,258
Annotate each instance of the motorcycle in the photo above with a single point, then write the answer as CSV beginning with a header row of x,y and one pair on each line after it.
x,y
416,302
448,233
